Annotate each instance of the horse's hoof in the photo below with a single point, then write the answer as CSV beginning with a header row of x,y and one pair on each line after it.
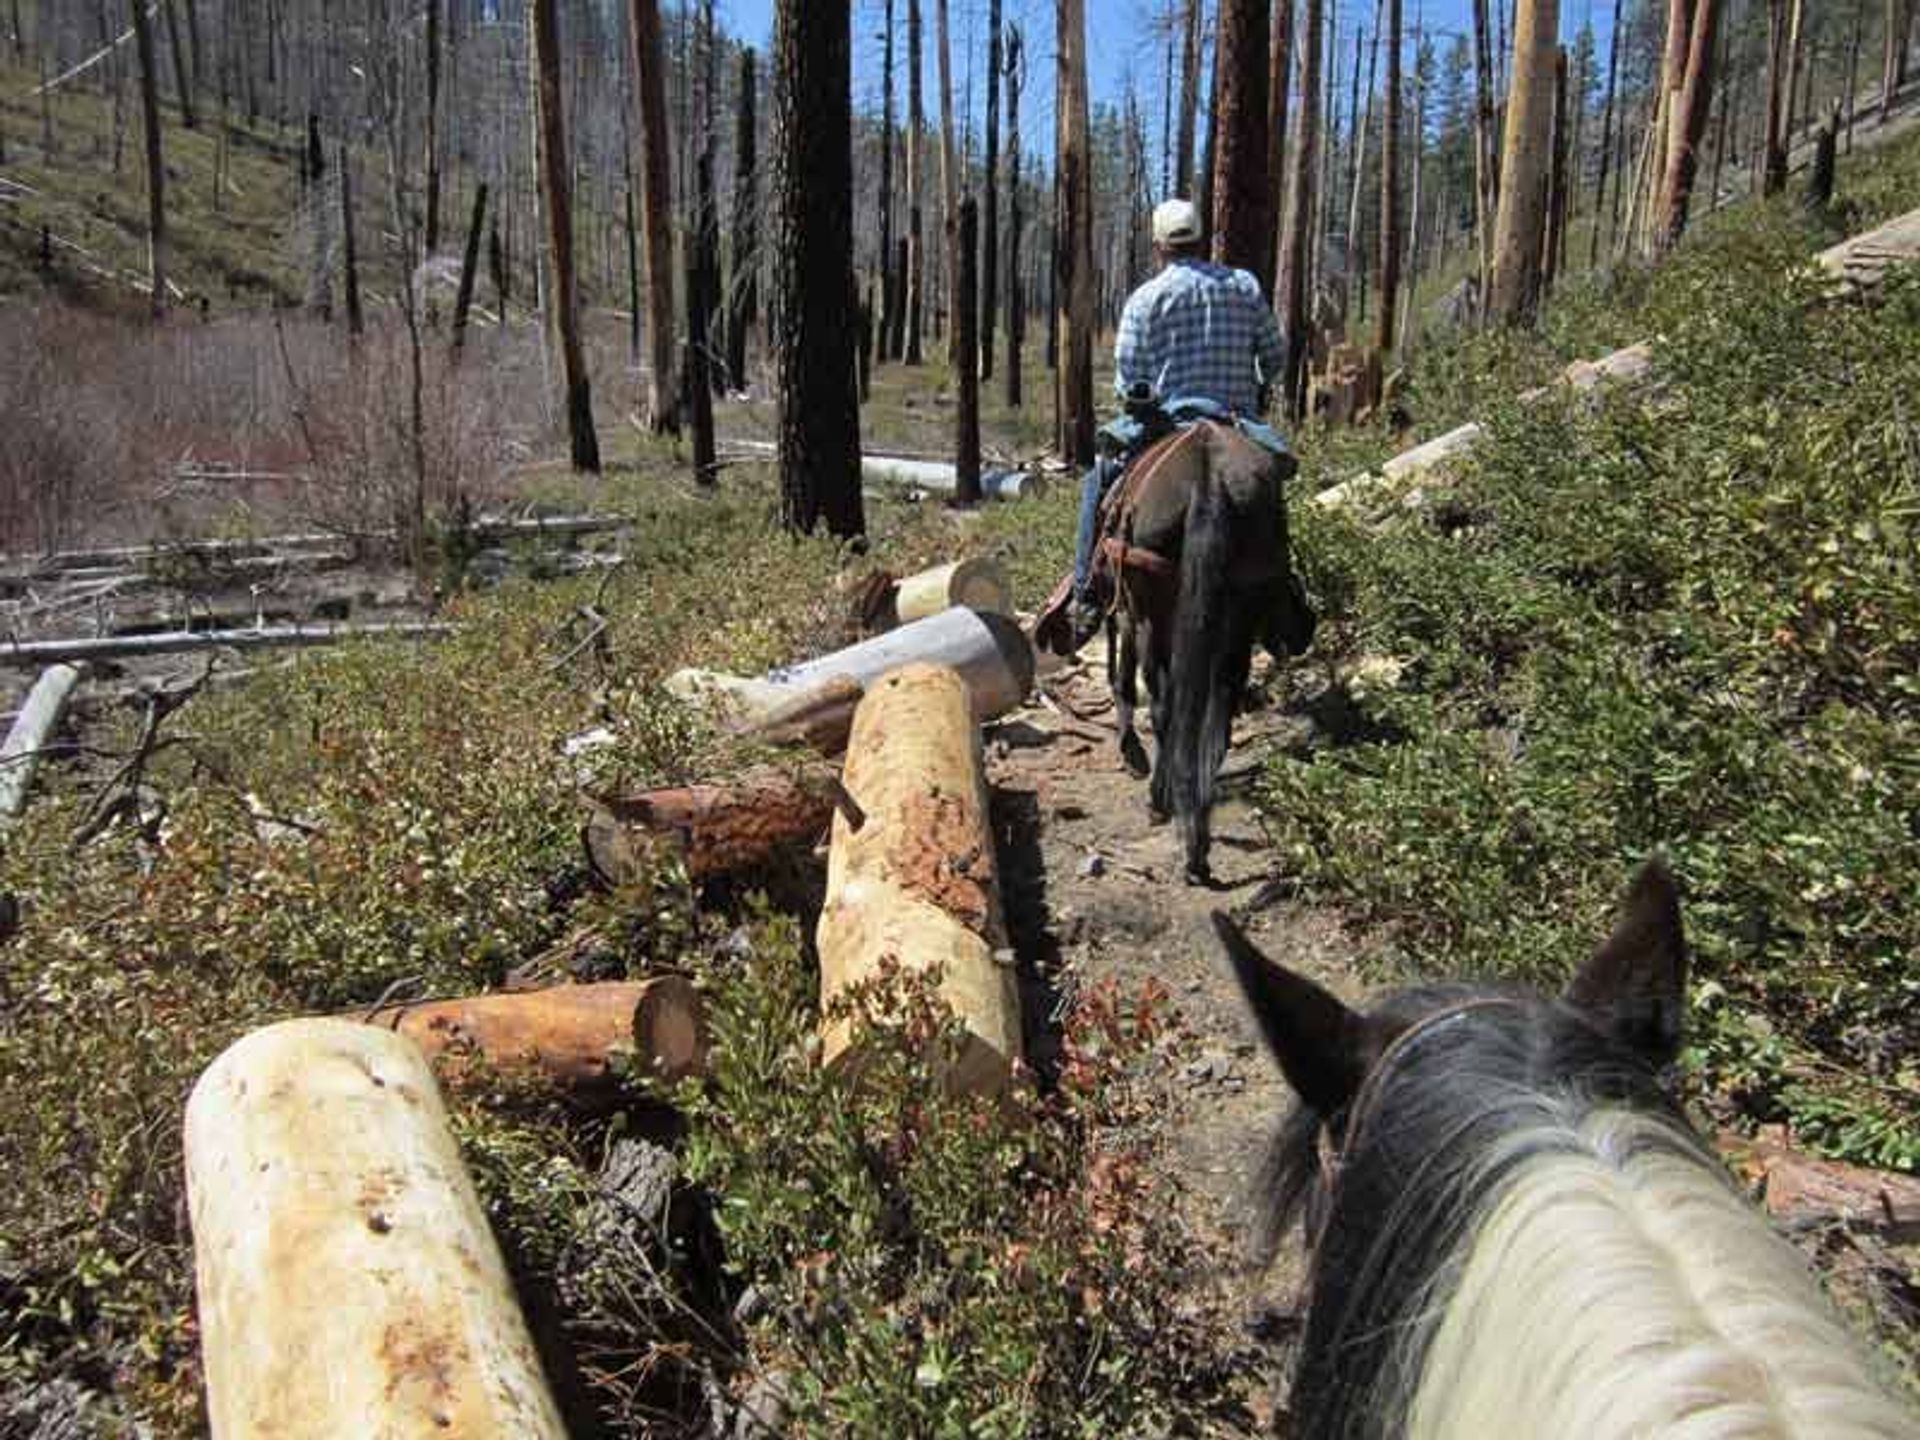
x,y
1200,877
1134,755
1157,817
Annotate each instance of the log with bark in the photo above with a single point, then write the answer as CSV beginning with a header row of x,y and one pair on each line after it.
x,y
33,729
565,1034
715,829
916,884
348,1283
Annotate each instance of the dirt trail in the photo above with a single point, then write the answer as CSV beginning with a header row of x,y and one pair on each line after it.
x,y
1094,891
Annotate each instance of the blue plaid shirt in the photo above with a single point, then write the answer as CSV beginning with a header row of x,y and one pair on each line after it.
x,y
1197,331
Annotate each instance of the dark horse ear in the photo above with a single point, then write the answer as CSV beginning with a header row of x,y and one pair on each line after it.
x,y
1322,1046
1635,984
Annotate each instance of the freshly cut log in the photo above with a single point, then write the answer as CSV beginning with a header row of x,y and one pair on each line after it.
x,y
942,477
915,884
716,829
128,647
993,656
568,1034
991,653
347,1281
975,584
37,723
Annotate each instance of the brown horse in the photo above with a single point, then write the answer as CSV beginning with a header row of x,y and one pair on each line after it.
x,y
1195,543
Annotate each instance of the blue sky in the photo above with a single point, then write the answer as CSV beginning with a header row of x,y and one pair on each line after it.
x,y
1120,35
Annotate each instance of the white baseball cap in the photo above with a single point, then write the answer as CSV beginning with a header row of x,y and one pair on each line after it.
x,y
1176,222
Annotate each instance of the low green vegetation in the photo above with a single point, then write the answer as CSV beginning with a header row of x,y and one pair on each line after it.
x,y
1683,621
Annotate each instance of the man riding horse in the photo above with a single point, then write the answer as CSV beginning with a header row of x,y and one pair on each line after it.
x,y
1198,340
1190,551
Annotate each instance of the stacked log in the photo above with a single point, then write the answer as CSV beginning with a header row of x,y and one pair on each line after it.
x,y
348,1283
32,731
972,584
914,884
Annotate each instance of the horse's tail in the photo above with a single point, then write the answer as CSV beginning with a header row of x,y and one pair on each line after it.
x,y
1206,678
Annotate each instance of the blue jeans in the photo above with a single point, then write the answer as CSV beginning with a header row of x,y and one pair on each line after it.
x,y
1094,485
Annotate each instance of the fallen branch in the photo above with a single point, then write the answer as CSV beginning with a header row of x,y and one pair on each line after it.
x,y
128,647
38,721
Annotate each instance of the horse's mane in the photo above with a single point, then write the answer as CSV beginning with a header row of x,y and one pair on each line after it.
x,y
1527,1238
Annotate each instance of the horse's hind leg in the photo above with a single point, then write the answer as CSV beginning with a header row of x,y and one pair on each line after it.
x,y
1125,673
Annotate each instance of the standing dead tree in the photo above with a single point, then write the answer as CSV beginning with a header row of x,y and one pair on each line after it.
x,y
916,126
1388,271
1243,223
814,310
1279,83
1073,229
1692,102
660,409
1016,310
889,272
966,373
156,165
1189,98
949,179
744,293
1291,295
1513,298
990,182
556,203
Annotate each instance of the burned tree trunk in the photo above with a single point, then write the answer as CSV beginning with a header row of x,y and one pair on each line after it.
x,y
990,243
660,411
1388,269
1520,223
949,179
1291,293
1016,319
156,166
1242,209
350,245
1189,99
1073,261
966,375
1606,139
432,139
183,77
916,184
1486,157
889,274
1773,165
814,338
469,267
563,310
744,293
1692,102
1279,82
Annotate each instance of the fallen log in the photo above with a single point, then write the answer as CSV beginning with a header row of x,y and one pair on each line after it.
x,y
915,885
819,718
992,654
1800,1191
716,829
941,477
182,642
567,1034
1859,266
36,725
348,1283
975,584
